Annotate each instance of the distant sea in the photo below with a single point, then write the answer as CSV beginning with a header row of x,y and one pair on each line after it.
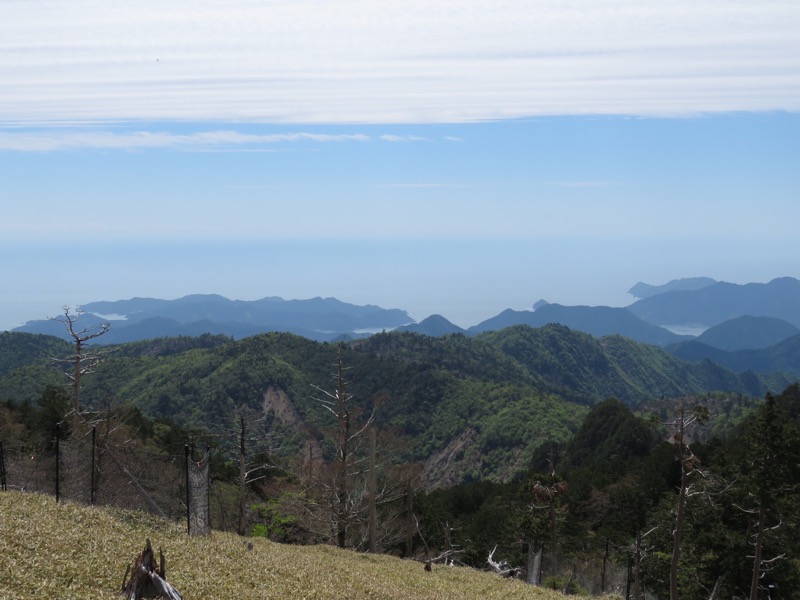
x,y
693,329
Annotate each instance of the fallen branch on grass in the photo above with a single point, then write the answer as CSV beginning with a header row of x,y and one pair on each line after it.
x,y
502,568
148,580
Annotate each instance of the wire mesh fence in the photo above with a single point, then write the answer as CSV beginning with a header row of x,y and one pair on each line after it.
x,y
82,469
198,497
29,470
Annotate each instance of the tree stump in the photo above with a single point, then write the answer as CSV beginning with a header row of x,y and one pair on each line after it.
x,y
148,580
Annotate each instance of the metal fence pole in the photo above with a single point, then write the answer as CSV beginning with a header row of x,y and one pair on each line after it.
x,y
58,460
2,469
208,487
188,505
93,483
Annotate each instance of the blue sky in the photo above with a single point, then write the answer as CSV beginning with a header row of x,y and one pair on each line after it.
x,y
459,159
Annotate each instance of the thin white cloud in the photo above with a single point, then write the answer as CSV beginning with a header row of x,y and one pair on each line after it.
x,y
52,227
392,61
422,185
23,141
580,184
403,138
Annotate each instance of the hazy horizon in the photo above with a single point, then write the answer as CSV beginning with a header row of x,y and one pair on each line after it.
x,y
458,302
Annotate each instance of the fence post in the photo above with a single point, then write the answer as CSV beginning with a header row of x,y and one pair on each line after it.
x,y
93,484
2,469
208,487
628,583
188,505
58,460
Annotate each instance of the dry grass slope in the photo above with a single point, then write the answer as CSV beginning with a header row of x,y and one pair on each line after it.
x,y
50,550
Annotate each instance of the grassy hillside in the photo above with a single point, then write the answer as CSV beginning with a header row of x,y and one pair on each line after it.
x,y
50,550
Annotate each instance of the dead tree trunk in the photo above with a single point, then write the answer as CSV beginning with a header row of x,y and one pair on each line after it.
x,y
534,564
148,580
715,593
341,485
411,522
242,476
83,362
373,500
757,558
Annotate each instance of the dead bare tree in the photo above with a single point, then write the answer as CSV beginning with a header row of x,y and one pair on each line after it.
x,y
450,553
689,466
253,444
348,464
83,359
373,492
547,495
771,479
637,551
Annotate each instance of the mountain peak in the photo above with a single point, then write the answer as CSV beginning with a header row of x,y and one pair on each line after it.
x,y
645,290
434,326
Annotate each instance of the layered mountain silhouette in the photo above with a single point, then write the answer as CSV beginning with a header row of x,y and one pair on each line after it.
x,y
645,290
748,326
748,333
721,301
319,319
595,320
783,357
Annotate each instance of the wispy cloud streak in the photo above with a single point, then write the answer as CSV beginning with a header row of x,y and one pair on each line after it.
x,y
23,141
403,138
580,184
424,185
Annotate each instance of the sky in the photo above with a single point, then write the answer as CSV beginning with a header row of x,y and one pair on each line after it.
x,y
450,157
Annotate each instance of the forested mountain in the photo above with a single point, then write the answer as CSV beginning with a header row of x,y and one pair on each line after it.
x,y
783,357
598,321
748,333
24,350
496,397
610,494
435,326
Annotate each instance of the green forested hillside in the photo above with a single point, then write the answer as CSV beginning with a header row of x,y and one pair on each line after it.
x,y
27,349
615,487
485,403
783,357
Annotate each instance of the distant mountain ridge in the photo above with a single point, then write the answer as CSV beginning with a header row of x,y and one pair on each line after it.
x,y
319,319
720,302
748,333
783,357
598,321
645,290
754,316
